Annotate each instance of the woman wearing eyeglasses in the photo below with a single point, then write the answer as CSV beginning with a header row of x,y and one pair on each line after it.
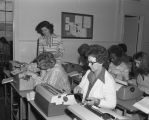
x,y
97,85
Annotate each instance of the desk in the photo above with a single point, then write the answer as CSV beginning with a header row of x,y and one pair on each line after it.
x,y
126,105
21,95
32,104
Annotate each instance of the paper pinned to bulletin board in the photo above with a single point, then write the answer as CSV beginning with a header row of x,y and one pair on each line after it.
x,y
77,26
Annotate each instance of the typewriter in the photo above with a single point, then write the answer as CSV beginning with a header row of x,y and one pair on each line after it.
x,y
129,93
52,101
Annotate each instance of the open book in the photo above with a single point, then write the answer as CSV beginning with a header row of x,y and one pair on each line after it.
x,y
143,105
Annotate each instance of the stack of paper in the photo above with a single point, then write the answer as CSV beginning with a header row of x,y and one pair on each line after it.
x,y
121,82
143,105
7,80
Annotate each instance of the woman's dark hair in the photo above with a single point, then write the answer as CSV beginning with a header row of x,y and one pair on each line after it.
x,y
46,24
144,65
123,46
117,50
100,53
83,49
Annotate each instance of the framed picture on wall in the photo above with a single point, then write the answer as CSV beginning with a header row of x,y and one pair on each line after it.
x,y
77,26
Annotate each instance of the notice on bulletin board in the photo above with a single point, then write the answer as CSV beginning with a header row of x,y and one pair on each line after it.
x,y
77,26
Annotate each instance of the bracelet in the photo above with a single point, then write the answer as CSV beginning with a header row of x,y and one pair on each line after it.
x,y
97,102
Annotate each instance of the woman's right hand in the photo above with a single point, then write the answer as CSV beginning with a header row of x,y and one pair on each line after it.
x,y
77,89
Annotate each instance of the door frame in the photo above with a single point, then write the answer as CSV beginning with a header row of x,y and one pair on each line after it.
x,y
140,30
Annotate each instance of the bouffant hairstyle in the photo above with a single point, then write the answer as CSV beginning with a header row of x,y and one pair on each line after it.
x,y
46,24
144,63
99,52
117,50
47,58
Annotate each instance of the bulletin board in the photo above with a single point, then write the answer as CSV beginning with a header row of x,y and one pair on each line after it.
x,y
77,26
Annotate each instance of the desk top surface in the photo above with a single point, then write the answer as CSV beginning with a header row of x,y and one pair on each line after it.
x,y
22,93
60,117
127,104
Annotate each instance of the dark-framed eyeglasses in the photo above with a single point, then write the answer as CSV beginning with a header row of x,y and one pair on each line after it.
x,y
92,63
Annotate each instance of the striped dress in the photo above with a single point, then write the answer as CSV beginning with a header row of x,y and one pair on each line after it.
x,y
52,44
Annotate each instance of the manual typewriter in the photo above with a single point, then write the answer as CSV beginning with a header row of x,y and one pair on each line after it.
x,y
50,100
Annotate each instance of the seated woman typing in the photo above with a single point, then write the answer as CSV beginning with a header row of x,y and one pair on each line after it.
x,y
50,72
141,71
118,68
97,85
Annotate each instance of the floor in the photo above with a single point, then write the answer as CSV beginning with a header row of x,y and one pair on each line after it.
x,y
4,109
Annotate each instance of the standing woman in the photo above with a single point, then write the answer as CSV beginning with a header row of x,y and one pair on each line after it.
x,y
48,41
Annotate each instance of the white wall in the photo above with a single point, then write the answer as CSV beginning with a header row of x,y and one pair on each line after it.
x,y
28,13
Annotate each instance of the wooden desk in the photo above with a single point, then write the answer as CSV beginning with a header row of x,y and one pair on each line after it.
x,y
32,104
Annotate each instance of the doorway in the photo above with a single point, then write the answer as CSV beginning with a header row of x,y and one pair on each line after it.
x,y
133,33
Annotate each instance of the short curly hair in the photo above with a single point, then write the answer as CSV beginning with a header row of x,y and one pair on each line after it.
x,y
123,46
117,50
46,24
99,52
47,58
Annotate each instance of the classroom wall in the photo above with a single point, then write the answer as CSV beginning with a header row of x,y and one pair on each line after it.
x,y
139,8
28,13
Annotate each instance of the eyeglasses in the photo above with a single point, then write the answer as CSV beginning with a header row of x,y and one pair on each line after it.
x,y
90,62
